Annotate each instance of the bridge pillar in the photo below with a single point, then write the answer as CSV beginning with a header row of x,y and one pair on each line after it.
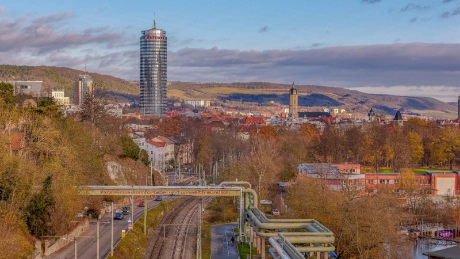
x,y
326,255
262,242
253,238
258,243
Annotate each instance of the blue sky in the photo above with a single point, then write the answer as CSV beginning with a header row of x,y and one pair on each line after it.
x,y
378,46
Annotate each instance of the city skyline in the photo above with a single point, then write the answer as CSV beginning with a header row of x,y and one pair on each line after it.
x,y
376,46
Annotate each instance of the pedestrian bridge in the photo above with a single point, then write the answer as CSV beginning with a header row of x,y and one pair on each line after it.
x,y
289,238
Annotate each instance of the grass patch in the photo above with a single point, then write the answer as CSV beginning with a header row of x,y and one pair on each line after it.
x,y
223,210
424,170
385,170
206,240
135,242
244,250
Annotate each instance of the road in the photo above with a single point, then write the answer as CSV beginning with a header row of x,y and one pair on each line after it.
x,y
222,245
86,244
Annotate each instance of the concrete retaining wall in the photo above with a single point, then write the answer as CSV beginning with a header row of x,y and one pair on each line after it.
x,y
66,239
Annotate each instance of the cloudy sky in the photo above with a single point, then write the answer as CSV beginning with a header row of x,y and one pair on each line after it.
x,y
378,46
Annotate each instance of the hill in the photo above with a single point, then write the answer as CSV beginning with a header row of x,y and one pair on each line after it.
x,y
260,92
64,78
312,96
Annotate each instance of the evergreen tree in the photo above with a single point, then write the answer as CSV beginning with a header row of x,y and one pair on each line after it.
x,y
39,211
130,148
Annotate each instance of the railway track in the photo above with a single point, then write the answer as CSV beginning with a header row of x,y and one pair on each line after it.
x,y
176,236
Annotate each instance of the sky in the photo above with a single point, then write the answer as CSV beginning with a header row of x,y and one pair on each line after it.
x,y
399,47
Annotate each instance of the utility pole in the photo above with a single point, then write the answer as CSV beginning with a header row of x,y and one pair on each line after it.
x,y
198,238
97,238
151,175
145,215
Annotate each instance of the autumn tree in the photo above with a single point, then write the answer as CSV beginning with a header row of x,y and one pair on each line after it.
x,y
375,151
356,142
14,241
261,166
398,149
364,228
418,201
330,147
92,110
415,146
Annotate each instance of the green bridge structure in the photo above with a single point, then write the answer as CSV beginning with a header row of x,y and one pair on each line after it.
x,y
289,238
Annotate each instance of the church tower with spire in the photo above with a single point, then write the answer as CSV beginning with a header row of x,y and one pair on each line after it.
x,y
293,102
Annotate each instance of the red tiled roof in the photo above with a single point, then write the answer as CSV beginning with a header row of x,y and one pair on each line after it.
x,y
156,143
253,120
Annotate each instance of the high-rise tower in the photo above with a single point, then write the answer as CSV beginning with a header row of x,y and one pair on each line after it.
x,y
82,88
153,72
293,102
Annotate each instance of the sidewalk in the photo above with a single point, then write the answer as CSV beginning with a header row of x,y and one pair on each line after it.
x,y
223,242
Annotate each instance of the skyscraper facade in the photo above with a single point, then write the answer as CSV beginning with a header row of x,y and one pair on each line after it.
x,y
153,72
83,87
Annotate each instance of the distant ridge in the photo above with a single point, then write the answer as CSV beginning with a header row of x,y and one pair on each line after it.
x,y
309,95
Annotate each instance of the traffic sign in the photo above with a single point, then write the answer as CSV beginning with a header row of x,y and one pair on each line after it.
x,y
130,226
129,220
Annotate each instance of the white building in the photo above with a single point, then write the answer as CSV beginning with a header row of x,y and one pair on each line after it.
x,y
60,98
156,151
169,147
198,103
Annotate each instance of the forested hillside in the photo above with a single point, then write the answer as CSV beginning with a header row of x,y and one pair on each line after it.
x,y
64,78
44,156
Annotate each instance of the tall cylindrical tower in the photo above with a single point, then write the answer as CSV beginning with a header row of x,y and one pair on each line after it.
x,y
153,72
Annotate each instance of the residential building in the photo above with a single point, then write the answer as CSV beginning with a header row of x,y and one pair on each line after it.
x,y
153,72
198,103
338,176
169,148
82,88
156,151
183,150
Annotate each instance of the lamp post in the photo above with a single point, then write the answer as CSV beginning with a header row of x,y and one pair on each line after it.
x,y
111,237
437,224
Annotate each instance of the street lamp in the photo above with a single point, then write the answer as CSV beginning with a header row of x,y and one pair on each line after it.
x,y
437,222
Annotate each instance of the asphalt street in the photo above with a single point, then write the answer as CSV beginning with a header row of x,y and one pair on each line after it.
x,y
86,243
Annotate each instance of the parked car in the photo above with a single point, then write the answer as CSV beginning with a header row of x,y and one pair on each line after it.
x,y
275,212
141,203
126,210
159,198
80,215
118,215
